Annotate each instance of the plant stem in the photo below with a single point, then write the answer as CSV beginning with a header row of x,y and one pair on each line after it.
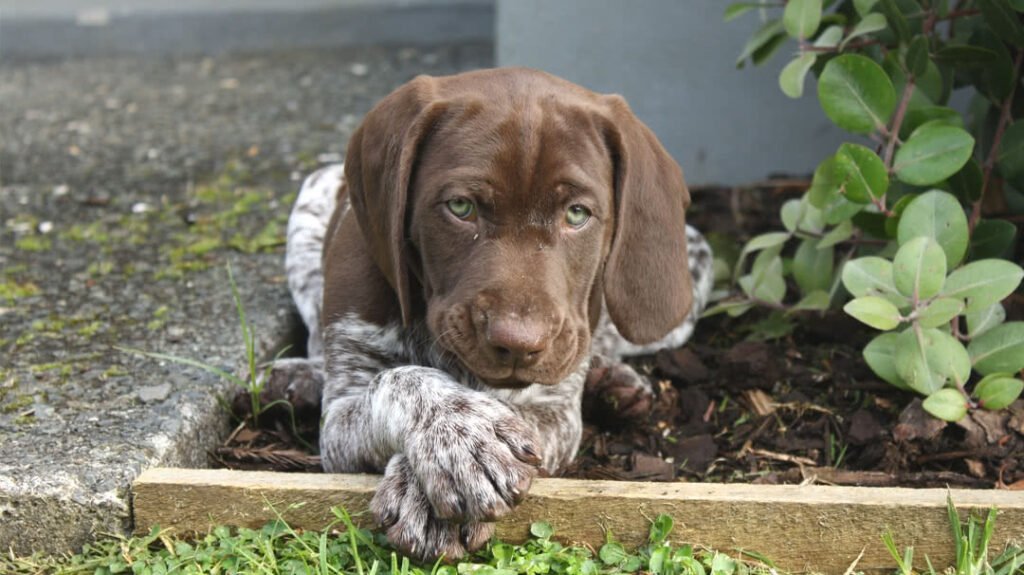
x,y
897,123
1005,115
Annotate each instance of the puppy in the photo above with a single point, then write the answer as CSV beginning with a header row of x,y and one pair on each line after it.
x,y
490,236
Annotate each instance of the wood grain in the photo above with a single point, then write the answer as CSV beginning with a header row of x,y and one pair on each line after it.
x,y
801,528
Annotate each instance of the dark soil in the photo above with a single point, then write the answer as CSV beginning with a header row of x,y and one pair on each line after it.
x,y
753,399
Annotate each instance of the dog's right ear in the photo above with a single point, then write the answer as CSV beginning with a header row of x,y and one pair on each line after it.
x,y
378,171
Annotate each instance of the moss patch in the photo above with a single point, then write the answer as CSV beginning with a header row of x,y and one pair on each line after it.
x,y
11,290
34,243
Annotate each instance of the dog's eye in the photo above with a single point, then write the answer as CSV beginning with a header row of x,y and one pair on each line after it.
x,y
577,215
461,208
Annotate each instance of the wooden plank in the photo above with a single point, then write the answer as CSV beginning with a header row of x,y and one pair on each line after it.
x,y
802,528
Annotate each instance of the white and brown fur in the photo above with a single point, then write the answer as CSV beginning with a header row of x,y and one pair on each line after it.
x,y
456,453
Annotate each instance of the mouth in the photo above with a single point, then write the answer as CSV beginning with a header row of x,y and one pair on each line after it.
x,y
511,382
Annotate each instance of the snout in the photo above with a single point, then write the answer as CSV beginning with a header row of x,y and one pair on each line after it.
x,y
512,342
516,342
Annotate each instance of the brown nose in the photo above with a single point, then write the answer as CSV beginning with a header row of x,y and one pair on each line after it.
x,y
517,341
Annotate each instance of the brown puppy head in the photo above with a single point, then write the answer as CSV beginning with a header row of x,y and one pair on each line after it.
x,y
503,205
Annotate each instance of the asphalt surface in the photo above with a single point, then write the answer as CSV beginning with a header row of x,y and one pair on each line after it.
x,y
127,184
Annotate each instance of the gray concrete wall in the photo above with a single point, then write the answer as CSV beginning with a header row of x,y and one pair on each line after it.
x,y
673,60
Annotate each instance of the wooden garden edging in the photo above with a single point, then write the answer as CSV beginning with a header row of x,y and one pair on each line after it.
x,y
801,528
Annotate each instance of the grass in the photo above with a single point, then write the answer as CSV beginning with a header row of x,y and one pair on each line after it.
x,y
343,548
255,377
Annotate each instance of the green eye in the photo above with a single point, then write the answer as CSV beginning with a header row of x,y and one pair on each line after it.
x,y
461,208
577,215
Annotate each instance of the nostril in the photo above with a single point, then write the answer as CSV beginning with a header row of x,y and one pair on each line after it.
x,y
516,340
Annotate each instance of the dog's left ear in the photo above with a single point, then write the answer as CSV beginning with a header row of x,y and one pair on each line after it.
x,y
647,285
378,170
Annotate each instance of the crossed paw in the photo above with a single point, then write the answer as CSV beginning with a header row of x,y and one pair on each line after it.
x,y
468,466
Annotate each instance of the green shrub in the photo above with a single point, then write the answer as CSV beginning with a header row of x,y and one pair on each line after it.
x,y
896,218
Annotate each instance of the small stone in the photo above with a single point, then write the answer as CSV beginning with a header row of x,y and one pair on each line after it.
x,y
175,334
651,468
359,69
155,392
140,208
61,190
45,227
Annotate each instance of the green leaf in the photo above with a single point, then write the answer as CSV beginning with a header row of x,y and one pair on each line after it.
x,y
1011,152
864,7
763,241
998,390
936,214
825,184
933,153
917,56
880,357
612,553
868,25
541,530
946,404
871,276
964,55
983,282
1017,5
920,115
765,282
919,268
966,184
838,234
940,311
812,267
856,93
737,9
1003,21
791,79
814,301
992,239
863,172
877,312
661,528
830,38
733,309
999,349
764,35
897,21
801,18
982,320
791,213
927,358
765,52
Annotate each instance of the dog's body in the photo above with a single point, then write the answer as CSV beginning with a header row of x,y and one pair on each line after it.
x,y
489,237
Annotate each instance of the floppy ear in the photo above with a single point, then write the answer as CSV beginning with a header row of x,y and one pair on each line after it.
x,y
647,285
378,170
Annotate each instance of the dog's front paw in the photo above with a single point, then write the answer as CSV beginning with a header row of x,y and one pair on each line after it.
x,y
403,510
616,395
474,458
